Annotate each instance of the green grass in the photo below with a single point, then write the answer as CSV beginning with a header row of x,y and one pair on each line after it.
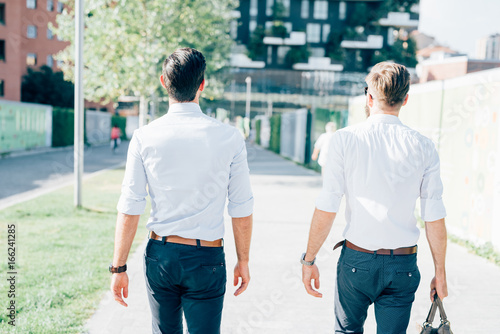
x,y
62,255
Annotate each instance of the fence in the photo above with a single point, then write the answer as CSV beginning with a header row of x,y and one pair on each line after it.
x,y
24,126
461,116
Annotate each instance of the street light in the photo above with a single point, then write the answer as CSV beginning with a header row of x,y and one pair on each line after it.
x,y
79,111
248,80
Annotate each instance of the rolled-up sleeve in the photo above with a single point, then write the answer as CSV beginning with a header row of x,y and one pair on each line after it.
x,y
240,197
431,190
133,196
333,176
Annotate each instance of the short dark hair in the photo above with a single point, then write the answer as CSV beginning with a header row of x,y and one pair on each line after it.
x,y
183,72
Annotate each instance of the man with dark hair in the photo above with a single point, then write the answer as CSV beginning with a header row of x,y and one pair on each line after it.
x,y
382,167
188,163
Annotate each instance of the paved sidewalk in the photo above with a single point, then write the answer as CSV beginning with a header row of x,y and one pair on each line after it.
x,y
276,301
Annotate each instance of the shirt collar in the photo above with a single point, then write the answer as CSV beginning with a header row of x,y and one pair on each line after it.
x,y
384,118
184,108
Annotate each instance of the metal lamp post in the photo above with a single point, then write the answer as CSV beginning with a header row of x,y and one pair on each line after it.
x,y
79,111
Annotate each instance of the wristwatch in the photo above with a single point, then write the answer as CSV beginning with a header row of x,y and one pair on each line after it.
x,y
307,263
117,270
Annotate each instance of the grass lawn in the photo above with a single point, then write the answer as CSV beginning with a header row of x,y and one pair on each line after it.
x,y
62,256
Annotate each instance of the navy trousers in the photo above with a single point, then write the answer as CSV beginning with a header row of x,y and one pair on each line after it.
x,y
388,281
185,279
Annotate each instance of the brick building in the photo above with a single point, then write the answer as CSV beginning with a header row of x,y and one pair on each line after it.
x,y
26,40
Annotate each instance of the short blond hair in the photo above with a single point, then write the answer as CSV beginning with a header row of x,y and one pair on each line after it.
x,y
389,82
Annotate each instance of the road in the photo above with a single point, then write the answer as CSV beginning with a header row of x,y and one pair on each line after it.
x,y
27,176
276,301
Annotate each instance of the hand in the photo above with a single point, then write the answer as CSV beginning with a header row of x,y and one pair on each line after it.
x,y
438,284
310,273
241,270
119,281
314,157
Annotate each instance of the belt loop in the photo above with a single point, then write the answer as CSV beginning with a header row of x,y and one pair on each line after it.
x,y
375,254
222,243
198,243
164,239
392,254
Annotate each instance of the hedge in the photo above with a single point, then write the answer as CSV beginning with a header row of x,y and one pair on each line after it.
x,y
274,142
122,124
257,131
63,127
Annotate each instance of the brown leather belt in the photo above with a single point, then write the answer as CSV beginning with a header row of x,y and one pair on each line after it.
x,y
183,241
397,251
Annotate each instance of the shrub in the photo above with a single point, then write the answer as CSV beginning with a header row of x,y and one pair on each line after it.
x,y
274,142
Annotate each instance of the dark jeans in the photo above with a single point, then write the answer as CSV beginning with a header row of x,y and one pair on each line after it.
x,y
388,281
189,279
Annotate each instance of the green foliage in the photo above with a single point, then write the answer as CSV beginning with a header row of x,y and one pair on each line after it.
x,y
278,29
401,52
63,130
47,87
126,42
332,47
258,124
297,54
274,141
278,10
256,47
361,16
62,275
399,5
122,124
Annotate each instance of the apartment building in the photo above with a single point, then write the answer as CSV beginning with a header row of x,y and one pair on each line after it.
x,y
26,41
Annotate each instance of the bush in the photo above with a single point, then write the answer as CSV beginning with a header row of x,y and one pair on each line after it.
x,y
63,127
122,124
257,131
274,142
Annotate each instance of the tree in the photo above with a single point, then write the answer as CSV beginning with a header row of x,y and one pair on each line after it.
x,y
126,42
47,87
297,54
256,47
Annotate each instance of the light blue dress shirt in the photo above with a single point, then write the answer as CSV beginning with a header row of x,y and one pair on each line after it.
x,y
189,164
382,167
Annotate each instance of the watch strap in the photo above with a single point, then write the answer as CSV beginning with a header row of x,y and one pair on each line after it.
x,y
117,270
307,263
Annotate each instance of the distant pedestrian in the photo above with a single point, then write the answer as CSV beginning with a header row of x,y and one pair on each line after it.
x,y
189,164
115,137
321,145
382,167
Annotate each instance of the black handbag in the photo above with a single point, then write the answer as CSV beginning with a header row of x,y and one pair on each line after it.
x,y
444,326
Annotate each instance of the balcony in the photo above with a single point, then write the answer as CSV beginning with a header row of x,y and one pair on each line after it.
x,y
296,38
241,60
401,20
371,42
318,64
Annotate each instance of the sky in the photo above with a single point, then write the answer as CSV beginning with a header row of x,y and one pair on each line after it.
x,y
459,23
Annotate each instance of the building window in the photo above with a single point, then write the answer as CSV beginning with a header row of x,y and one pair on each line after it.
x,y
50,5
282,51
269,7
31,4
2,50
313,32
320,9
31,59
2,83
326,32
252,25
2,13
254,9
269,54
32,32
286,7
304,11
50,61
50,35
342,10
60,7
317,52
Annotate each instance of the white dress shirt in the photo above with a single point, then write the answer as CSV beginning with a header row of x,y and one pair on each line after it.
x,y
190,164
382,167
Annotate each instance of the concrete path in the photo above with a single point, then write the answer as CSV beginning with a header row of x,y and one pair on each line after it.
x,y
276,301
27,176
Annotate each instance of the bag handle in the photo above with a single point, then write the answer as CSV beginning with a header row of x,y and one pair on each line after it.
x,y
437,303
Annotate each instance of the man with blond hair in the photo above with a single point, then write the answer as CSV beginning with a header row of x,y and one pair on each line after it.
x,y
382,167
